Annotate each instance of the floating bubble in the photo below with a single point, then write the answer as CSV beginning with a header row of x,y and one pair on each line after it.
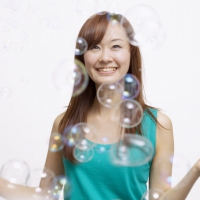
x,y
81,46
5,92
84,152
43,175
6,29
68,74
131,86
19,47
24,35
58,183
7,45
131,113
147,29
110,94
72,136
56,142
133,150
15,171
154,194
15,24
14,5
31,9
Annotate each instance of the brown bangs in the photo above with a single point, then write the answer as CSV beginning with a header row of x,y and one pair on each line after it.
x,y
94,29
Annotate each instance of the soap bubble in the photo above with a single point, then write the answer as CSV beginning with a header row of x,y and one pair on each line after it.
x,y
154,194
74,135
56,142
7,45
131,86
133,150
58,183
146,24
68,74
19,47
81,46
15,171
5,92
131,113
36,176
110,94
84,152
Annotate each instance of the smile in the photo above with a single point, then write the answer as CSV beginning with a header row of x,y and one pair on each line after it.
x,y
107,69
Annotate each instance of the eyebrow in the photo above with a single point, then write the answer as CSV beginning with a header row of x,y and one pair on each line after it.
x,y
116,40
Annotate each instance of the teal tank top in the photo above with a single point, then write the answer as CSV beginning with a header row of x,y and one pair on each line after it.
x,y
99,179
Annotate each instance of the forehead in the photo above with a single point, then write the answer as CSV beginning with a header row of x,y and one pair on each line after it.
x,y
115,31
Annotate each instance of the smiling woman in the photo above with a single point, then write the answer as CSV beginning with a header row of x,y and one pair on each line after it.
x,y
108,59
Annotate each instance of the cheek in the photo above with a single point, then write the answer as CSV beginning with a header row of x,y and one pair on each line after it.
x,y
123,59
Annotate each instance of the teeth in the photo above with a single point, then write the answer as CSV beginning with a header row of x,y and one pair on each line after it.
x,y
107,69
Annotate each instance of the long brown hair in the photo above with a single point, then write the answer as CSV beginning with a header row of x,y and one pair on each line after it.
x,y
93,32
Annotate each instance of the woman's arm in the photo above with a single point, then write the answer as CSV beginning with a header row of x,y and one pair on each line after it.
x,y
18,192
161,163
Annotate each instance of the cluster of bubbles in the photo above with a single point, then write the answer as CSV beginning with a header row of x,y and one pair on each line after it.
x,y
18,172
131,149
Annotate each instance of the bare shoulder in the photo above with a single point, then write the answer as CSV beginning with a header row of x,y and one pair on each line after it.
x,y
57,122
164,133
59,118
164,120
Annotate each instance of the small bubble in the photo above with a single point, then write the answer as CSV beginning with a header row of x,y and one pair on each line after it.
x,y
7,45
6,29
5,92
19,47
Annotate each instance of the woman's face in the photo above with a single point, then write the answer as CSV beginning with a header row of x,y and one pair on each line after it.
x,y
109,60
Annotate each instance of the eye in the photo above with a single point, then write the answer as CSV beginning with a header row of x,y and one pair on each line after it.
x,y
116,46
94,47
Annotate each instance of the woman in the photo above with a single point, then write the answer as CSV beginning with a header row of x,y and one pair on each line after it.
x,y
108,59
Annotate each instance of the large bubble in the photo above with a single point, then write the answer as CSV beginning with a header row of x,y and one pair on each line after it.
x,y
131,113
15,171
132,150
148,30
70,74
43,175
59,183
81,46
73,136
56,142
110,94
131,86
84,152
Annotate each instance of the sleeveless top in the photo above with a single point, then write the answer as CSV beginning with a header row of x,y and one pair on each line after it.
x,y
99,179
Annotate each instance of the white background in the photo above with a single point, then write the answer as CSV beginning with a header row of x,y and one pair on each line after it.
x,y
39,34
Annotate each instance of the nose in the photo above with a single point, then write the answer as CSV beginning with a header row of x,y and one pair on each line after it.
x,y
105,56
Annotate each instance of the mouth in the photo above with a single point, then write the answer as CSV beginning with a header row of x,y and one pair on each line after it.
x,y
107,69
